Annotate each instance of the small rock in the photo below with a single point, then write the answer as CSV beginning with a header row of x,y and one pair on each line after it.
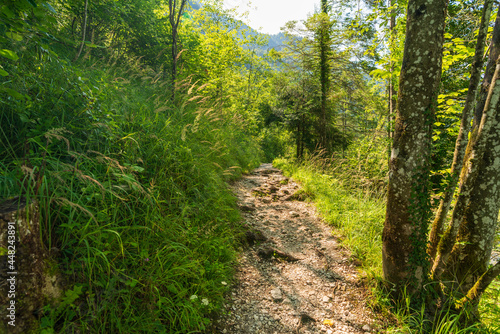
x,y
326,299
276,295
367,328
306,318
294,214
247,207
253,236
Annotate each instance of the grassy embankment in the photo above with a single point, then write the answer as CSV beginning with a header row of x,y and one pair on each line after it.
x,y
135,209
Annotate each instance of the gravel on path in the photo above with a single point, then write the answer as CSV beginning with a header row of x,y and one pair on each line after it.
x,y
294,277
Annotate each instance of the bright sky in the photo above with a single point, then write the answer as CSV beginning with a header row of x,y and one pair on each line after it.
x,y
270,15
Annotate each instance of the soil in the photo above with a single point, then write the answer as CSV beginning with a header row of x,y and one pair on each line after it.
x,y
294,277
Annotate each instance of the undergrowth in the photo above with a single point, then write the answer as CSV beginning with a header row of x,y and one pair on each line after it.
x,y
132,192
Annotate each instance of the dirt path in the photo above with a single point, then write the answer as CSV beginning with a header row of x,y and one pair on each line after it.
x,y
294,276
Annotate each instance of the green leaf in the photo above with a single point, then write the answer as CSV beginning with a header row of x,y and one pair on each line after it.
x,y
8,12
13,93
92,45
49,7
9,54
14,36
172,288
3,72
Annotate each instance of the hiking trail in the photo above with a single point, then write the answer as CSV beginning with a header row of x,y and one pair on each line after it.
x,y
294,277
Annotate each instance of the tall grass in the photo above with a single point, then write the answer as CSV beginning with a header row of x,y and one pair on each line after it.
x,y
135,209
355,213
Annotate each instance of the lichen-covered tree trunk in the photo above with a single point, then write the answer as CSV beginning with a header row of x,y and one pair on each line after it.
x,y
405,229
476,148
471,253
462,139
470,256
27,283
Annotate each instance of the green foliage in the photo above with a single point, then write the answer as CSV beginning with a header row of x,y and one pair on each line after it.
x,y
417,320
489,307
323,97
132,190
274,142
132,194
65,310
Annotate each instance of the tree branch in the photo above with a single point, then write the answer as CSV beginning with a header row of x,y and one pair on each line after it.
x,y
481,285
84,31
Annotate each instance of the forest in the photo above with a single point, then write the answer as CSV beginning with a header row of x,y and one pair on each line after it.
x,y
125,124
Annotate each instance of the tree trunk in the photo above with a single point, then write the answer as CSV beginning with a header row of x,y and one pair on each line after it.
x,y
391,89
24,267
476,147
462,139
324,45
92,40
405,229
174,19
298,140
471,253
84,30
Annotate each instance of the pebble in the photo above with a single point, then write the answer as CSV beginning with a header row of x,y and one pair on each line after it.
x,y
326,299
293,214
367,328
276,294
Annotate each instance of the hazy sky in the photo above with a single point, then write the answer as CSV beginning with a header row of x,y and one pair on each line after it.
x,y
270,15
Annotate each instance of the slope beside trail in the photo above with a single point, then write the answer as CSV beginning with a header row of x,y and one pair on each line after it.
x,y
294,275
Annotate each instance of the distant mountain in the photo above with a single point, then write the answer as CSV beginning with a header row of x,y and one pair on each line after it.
x,y
276,41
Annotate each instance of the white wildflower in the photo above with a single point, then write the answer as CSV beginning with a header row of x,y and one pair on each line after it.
x,y
193,297
204,301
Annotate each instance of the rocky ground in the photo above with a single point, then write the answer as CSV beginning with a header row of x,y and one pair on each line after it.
x,y
294,277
